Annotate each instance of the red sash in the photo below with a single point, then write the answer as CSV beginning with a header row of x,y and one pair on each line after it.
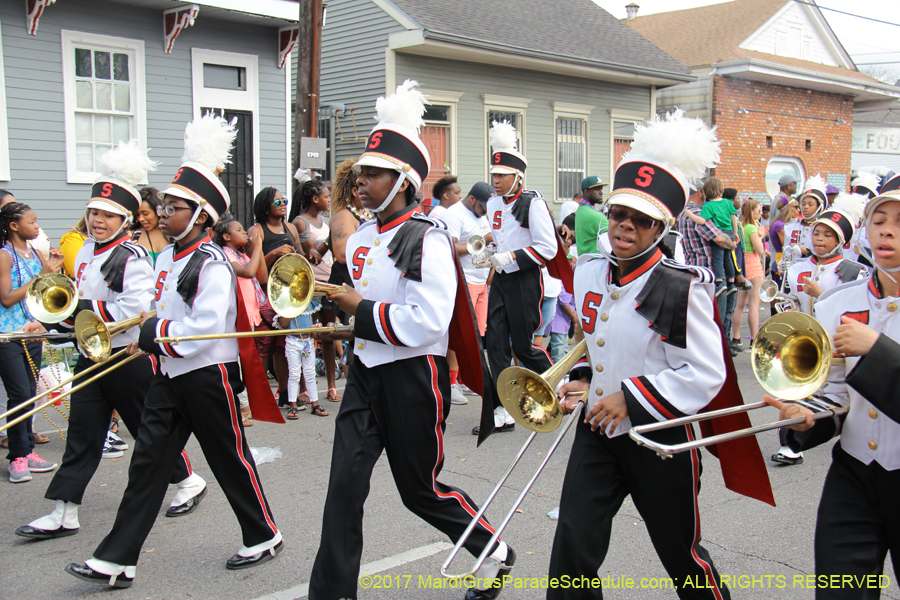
x,y
262,401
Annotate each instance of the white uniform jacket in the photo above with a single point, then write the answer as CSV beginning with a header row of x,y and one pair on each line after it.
x,y
534,243
869,385
192,303
115,281
406,274
668,365
796,232
827,272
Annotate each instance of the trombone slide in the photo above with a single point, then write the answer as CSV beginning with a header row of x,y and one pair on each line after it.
x,y
49,336
820,410
254,334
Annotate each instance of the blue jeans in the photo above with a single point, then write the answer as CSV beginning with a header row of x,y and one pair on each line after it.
x,y
722,268
20,384
548,309
559,345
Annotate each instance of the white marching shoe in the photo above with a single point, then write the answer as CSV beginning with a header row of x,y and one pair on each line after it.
x,y
62,522
190,492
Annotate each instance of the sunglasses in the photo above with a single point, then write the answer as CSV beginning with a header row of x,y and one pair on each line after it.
x,y
279,202
638,220
169,210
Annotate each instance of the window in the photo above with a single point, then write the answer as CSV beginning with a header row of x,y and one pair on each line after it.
x,y
104,99
783,165
439,135
571,148
503,108
224,77
622,123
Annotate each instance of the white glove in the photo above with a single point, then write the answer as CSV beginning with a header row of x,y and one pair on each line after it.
x,y
502,259
482,260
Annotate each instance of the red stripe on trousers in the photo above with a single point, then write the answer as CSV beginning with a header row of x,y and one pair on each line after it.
x,y
695,470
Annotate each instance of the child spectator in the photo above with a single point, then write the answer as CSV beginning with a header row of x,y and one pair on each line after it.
x,y
300,350
250,270
724,216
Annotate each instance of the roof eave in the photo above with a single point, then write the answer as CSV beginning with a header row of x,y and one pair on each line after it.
x,y
443,45
865,92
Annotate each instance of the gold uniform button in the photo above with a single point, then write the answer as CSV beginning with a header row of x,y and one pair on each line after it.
x,y
81,293
360,346
166,288
873,446
614,295
365,282
598,391
171,269
873,414
892,307
377,242
162,360
601,342
369,261
604,317
599,368
162,305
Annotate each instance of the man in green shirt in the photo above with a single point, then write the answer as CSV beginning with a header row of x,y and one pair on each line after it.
x,y
589,220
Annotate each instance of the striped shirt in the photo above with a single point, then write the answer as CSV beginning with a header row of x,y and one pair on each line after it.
x,y
697,238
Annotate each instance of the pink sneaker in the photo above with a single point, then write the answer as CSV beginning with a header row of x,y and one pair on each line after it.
x,y
36,464
18,471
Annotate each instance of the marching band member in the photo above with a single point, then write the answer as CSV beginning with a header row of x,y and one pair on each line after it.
x,y
656,352
857,519
407,298
865,184
526,240
115,280
198,383
812,203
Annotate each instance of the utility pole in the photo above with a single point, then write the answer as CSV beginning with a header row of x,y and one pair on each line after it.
x,y
306,111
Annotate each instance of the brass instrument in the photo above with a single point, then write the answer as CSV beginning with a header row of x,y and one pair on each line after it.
x,y
254,334
791,358
292,285
51,298
531,400
95,336
475,245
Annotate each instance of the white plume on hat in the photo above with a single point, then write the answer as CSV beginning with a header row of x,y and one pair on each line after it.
x,y
880,171
503,136
686,143
868,180
302,175
404,107
815,183
127,162
208,141
852,205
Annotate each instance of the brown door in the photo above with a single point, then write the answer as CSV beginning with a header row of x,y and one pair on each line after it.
x,y
238,175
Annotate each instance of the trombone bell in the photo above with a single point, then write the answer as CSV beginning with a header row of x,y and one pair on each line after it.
x,y
51,298
791,356
93,336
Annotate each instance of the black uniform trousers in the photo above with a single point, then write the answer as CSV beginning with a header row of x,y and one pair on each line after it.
x,y
399,407
91,408
601,473
858,522
203,401
514,311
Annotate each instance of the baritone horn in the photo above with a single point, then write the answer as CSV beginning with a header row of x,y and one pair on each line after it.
x,y
292,285
791,358
530,398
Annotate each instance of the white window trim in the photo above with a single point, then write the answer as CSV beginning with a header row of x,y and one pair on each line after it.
x,y
451,101
622,116
567,110
288,139
4,123
244,100
69,40
503,104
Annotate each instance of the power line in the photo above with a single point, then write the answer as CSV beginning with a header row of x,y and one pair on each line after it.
x,y
847,13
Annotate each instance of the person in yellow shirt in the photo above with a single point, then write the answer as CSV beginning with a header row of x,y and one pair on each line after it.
x,y
70,244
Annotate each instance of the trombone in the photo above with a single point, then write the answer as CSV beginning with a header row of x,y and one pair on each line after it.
x,y
95,341
791,358
292,285
50,298
531,400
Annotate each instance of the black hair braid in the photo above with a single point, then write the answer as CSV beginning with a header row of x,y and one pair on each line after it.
x,y
10,213
221,229
261,204
308,191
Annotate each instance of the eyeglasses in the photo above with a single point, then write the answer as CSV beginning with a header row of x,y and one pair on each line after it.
x,y
168,210
638,220
279,202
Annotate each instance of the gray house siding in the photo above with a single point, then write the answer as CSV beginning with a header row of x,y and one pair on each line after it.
x,y
353,69
474,80
34,92
693,98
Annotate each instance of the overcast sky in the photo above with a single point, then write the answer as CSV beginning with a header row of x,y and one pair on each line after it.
x,y
864,40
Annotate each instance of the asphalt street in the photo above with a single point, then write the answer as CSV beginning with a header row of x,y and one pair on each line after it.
x,y
766,552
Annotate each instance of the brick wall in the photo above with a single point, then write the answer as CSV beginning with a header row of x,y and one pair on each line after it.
x,y
802,124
